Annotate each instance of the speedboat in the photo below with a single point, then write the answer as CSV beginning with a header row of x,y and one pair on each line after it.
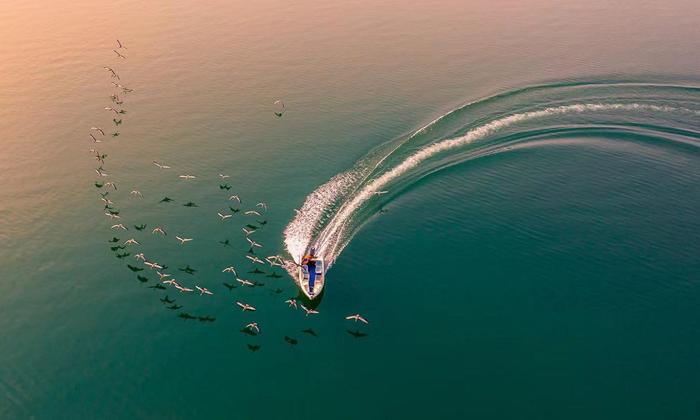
x,y
311,275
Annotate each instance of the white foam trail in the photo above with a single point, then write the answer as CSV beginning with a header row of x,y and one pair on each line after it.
x,y
332,239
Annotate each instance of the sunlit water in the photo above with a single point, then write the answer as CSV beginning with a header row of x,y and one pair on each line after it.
x,y
535,255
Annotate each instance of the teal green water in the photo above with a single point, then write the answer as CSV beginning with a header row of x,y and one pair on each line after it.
x,y
534,256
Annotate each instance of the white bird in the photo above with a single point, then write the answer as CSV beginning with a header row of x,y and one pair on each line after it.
x,y
380,192
136,193
356,318
119,226
249,212
235,197
247,231
203,291
229,270
111,184
152,265
162,275
253,326
158,230
224,216
121,45
140,256
109,108
161,165
118,55
183,240
245,306
261,204
308,311
112,216
245,282
171,282
187,177
253,243
107,200
275,260
98,129
101,172
114,74
255,259
291,302
222,176
183,289
131,241
95,139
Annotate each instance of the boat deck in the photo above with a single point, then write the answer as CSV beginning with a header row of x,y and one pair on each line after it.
x,y
311,283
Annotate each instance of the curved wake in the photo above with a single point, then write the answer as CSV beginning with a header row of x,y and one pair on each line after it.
x,y
334,211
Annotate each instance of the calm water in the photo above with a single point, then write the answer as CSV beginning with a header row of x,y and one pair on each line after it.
x,y
535,255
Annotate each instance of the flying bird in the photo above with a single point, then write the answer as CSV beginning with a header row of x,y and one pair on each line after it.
x,y
183,240
262,205
308,311
255,259
245,282
222,176
253,243
158,230
203,291
121,45
131,241
152,265
187,177
136,193
119,226
253,326
245,306
235,197
230,269
98,129
118,55
161,165
111,70
282,109
291,302
224,216
356,318
183,289
249,212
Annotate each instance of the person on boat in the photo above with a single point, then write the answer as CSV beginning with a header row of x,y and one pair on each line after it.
x,y
308,262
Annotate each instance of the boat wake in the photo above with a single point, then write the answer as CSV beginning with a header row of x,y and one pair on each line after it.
x,y
335,211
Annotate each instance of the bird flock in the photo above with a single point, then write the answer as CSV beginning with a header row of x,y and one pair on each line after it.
x,y
145,267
